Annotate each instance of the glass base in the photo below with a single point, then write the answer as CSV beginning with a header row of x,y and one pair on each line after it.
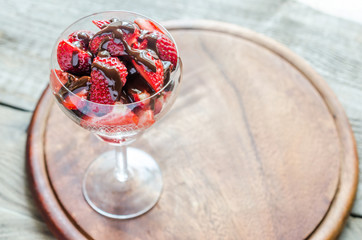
x,y
123,199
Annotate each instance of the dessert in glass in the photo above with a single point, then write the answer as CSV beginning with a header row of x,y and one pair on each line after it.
x,y
115,74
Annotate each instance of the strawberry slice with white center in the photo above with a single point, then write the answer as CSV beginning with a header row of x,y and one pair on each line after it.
x,y
154,79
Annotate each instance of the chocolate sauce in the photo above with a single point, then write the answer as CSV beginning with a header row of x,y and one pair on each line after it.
x,y
84,37
103,54
166,71
115,31
114,20
74,85
152,41
113,79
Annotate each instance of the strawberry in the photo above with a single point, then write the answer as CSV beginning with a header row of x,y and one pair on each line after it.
x,y
160,102
114,46
103,88
166,49
101,23
146,118
80,38
145,24
154,79
115,49
74,102
118,117
138,89
58,78
72,59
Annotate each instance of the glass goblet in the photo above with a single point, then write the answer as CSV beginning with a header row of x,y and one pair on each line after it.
x,y
126,182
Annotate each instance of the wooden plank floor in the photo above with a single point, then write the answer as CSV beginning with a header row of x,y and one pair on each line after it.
x,y
29,29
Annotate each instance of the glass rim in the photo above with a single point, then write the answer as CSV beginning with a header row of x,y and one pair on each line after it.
x,y
172,79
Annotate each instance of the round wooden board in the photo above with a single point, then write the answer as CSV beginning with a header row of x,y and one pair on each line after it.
x,y
257,146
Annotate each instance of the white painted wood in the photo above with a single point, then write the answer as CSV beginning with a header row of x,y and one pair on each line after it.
x,y
347,9
19,217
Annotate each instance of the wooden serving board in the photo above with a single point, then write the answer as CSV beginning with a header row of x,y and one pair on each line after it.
x,y
256,146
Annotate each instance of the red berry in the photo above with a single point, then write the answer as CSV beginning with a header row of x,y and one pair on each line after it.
x,y
154,79
58,78
118,117
166,49
115,49
145,24
80,38
114,46
101,23
146,118
72,59
102,89
75,101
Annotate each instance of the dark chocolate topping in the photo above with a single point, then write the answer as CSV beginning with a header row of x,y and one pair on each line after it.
x,y
166,71
74,84
152,41
103,54
115,31
114,20
113,79
83,36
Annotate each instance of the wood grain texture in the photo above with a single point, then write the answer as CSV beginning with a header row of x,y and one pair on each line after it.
x,y
17,209
260,138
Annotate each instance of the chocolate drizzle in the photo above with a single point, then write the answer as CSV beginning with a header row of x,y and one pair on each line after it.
x,y
113,79
115,32
74,85
152,41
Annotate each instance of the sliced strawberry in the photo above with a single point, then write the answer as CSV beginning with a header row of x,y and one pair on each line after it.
x,y
138,89
160,102
58,78
115,49
80,38
104,89
101,23
72,59
145,24
114,46
154,79
113,63
76,100
140,45
118,117
146,118
166,49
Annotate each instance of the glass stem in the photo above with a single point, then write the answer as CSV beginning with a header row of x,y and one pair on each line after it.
x,y
121,170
